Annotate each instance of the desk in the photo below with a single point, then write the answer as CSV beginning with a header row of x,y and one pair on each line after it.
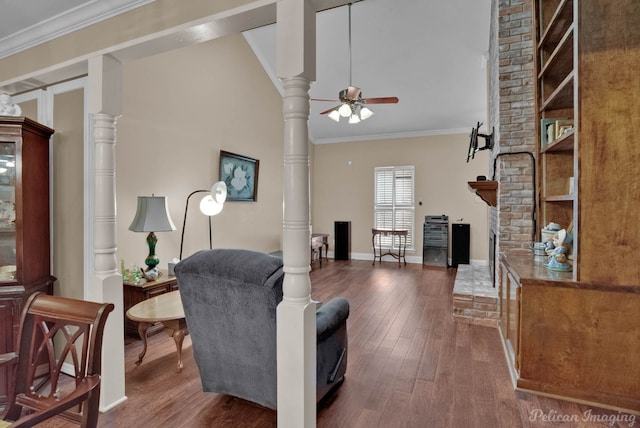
x,y
167,309
402,248
318,241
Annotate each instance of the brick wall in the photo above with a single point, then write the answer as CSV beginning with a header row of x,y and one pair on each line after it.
x,y
511,109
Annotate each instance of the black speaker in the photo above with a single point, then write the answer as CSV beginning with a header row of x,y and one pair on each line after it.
x,y
460,238
342,232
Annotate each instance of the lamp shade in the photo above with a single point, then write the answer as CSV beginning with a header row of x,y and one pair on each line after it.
x,y
219,192
365,113
213,202
152,215
345,110
335,115
209,206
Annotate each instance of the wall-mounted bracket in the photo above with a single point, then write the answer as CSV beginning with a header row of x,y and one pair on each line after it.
x,y
488,141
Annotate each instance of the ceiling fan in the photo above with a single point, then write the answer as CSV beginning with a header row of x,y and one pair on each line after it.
x,y
353,105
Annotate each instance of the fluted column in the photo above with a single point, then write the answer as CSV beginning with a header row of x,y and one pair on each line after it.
x,y
104,137
296,317
296,313
296,224
104,96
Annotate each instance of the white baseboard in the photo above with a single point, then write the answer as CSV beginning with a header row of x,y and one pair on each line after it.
x,y
410,259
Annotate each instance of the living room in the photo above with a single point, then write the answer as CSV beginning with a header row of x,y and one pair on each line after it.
x,y
145,154
169,137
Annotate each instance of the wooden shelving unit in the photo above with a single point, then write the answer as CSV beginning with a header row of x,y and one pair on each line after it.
x,y
574,334
556,90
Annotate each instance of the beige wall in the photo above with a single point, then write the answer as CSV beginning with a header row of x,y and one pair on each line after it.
x,y
67,153
179,110
68,159
343,187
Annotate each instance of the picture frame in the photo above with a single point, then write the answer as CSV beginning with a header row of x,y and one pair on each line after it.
x,y
547,129
563,127
240,174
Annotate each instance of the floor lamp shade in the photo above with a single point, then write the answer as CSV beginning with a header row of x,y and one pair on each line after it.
x,y
152,215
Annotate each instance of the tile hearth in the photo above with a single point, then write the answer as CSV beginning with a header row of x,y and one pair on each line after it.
x,y
475,300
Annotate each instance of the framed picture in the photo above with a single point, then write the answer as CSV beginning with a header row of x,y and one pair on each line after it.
x,y
547,132
563,126
240,174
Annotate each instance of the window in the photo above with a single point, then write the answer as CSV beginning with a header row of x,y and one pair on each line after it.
x,y
394,202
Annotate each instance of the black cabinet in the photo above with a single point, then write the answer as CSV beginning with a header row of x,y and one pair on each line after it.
x,y
460,239
342,232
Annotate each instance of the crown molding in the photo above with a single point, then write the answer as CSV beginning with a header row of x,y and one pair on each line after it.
x,y
74,19
393,136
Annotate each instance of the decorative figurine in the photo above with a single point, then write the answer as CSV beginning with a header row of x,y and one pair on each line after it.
x,y
7,108
558,256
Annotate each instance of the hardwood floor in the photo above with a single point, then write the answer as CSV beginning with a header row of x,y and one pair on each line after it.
x,y
409,365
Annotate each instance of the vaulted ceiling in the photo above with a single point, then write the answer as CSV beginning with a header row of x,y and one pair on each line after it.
x,y
430,54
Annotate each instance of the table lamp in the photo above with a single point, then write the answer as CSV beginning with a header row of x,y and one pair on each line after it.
x,y
152,215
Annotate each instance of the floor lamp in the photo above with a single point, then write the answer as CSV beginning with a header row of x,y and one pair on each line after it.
x,y
210,205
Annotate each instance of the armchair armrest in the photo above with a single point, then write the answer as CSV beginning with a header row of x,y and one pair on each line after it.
x,y
330,316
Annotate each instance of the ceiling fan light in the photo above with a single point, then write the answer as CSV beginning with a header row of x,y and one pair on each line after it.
x,y
365,113
345,110
335,115
354,118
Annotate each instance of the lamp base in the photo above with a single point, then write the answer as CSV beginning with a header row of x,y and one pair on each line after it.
x,y
151,263
152,260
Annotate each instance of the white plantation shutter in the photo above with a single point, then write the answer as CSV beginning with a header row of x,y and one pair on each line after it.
x,y
394,205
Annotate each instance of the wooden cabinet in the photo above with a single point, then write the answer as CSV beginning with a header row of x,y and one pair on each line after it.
x,y
586,51
133,294
25,261
575,334
509,289
569,339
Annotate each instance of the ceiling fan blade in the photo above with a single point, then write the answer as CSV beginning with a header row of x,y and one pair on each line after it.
x,y
321,99
381,100
330,110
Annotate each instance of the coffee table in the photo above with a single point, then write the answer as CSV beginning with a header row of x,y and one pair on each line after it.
x,y
167,309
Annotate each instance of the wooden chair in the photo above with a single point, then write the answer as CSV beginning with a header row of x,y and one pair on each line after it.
x,y
55,331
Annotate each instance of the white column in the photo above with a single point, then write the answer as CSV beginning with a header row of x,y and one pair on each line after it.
x,y
105,283
296,319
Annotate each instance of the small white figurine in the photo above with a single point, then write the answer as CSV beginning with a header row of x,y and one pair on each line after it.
x,y
151,274
7,108
558,255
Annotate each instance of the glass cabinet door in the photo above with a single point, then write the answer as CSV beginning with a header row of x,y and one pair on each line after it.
x,y
7,212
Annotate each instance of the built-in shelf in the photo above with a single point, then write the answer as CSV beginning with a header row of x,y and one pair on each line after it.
x,y
562,143
487,190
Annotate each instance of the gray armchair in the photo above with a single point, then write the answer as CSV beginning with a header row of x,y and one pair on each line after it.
x,y
230,298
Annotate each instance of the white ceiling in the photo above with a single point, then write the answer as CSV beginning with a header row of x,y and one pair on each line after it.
x,y
430,54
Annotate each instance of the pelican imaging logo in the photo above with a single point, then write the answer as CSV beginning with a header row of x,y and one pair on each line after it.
x,y
610,419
